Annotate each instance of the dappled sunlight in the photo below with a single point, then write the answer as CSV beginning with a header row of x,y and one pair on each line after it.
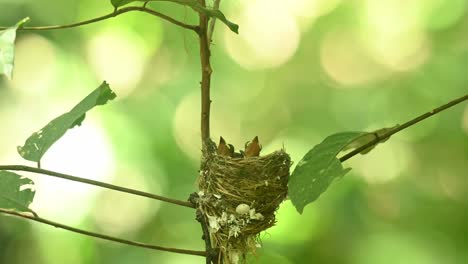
x,y
269,38
35,65
294,146
309,8
345,60
133,212
384,163
118,56
394,33
186,126
297,72
83,152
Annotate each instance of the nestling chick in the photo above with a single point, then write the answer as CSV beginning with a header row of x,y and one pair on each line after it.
x,y
225,149
252,149
238,155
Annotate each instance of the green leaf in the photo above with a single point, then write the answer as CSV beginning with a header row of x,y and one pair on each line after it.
x,y
119,3
194,4
318,168
7,48
39,142
15,192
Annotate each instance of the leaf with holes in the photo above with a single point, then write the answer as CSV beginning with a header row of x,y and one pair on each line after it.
x,y
16,192
7,48
39,142
318,168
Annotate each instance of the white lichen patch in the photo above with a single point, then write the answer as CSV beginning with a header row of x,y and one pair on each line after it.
x,y
255,216
234,231
224,218
232,219
213,221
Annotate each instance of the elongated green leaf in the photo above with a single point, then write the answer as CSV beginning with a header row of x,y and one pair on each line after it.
x,y
194,4
7,48
15,191
318,168
39,142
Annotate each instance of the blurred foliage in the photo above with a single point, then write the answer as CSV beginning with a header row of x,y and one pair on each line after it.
x,y
298,71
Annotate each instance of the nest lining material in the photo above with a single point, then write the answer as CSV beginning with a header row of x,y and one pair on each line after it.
x,y
239,198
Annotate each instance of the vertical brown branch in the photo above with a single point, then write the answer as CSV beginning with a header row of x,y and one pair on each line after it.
x,y
205,113
206,75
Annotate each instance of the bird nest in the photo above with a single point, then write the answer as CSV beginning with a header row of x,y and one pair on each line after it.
x,y
239,198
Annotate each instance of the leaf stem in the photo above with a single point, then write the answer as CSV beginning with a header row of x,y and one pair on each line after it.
x,y
102,236
96,183
114,14
412,122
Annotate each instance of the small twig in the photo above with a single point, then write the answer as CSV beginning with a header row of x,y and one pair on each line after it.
x,y
114,14
213,21
102,236
20,205
96,183
404,126
211,256
211,253
206,75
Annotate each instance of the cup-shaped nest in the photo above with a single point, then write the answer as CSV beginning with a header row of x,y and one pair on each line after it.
x,y
239,198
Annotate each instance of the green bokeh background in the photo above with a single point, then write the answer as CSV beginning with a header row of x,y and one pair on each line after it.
x,y
321,67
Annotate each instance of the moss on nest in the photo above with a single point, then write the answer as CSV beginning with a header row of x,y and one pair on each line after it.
x,y
239,198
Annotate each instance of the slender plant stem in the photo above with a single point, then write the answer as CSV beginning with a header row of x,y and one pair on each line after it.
x,y
102,236
213,21
206,75
96,183
206,71
114,14
404,126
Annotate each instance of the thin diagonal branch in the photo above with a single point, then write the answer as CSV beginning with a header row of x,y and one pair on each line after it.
x,y
102,236
96,183
114,14
404,126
